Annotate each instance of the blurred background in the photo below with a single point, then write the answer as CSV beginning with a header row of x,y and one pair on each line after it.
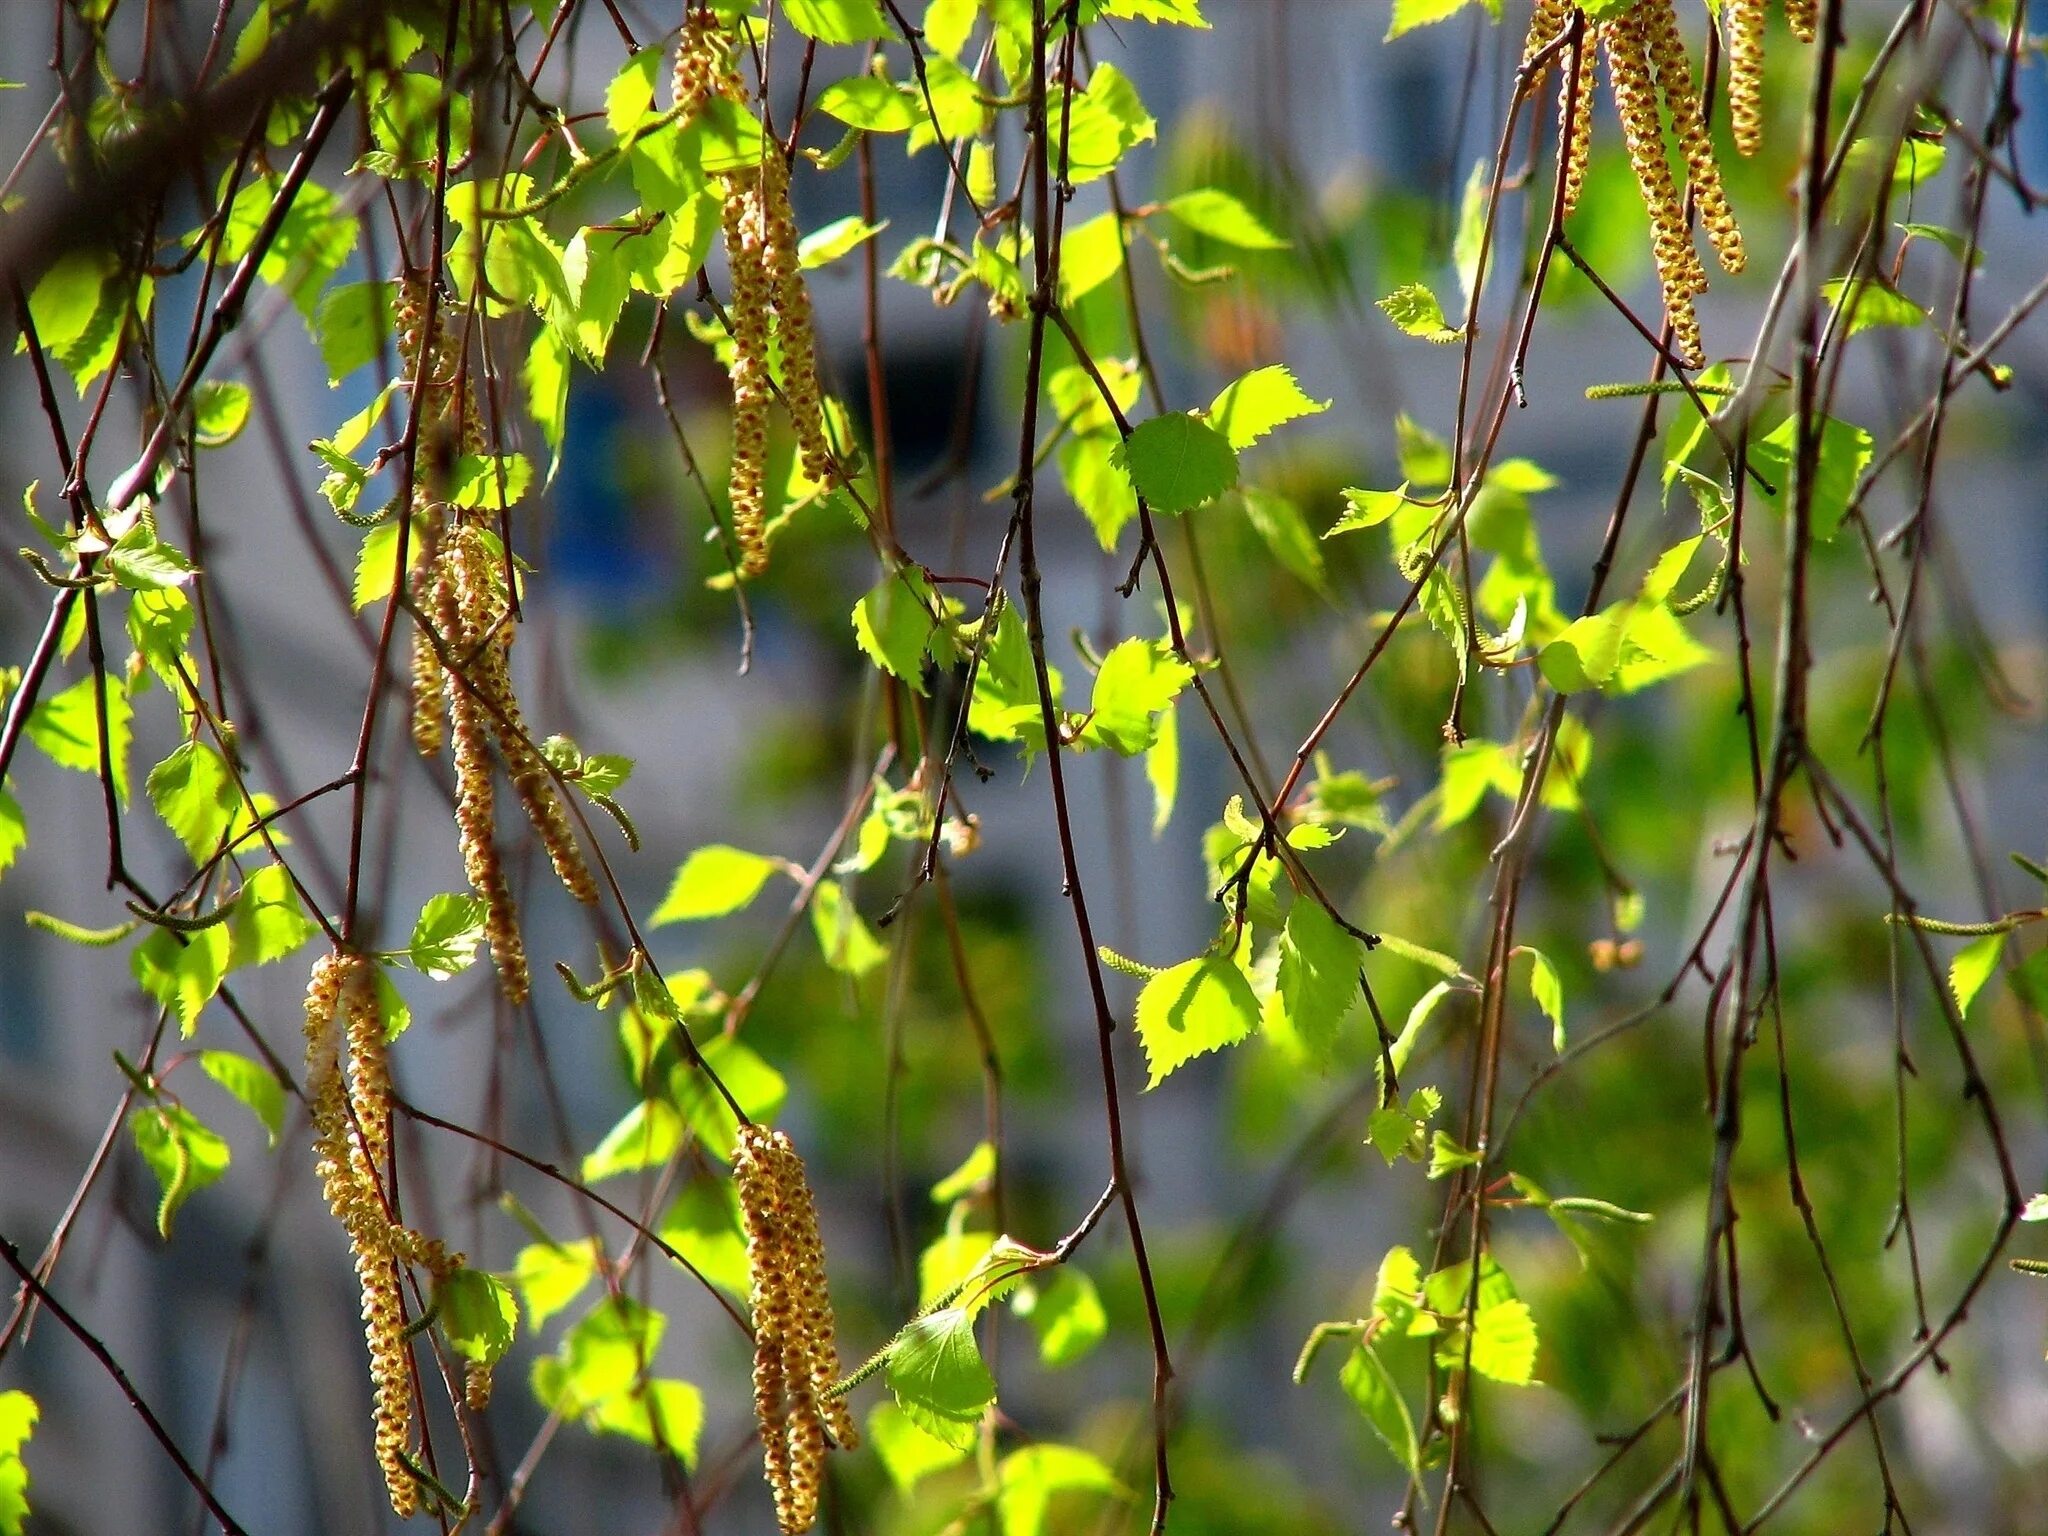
x,y
1266,1210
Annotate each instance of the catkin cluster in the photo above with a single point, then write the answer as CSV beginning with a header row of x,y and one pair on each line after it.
x,y
348,1084
771,306
796,1361
1646,61
462,680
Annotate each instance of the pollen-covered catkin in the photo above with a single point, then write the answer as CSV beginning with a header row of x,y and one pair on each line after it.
x,y
796,1361
1801,15
779,255
1575,119
752,297
1746,74
1635,98
339,998
1703,171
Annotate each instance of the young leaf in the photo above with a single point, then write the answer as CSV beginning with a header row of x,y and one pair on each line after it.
x,y
193,793
551,1275
445,938
267,923
13,830
838,21
714,881
909,1455
1255,404
18,1414
1547,991
254,1084
1415,310
936,1371
478,1314
1973,965
845,940
1223,218
1066,1313
1371,1386
66,727
183,1154
1368,509
182,971
1318,979
1177,462
1137,679
1029,1478
1198,1006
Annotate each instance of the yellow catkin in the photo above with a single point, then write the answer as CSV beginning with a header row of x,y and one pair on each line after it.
x,y
752,296
1547,21
770,301
1746,74
800,389
489,626
351,1113
1801,15
1678,263
1575,120
476,800
1703,171
796,1359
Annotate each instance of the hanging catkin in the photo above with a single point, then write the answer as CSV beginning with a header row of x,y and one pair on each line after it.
x,y
350,1100
796,1357
771,305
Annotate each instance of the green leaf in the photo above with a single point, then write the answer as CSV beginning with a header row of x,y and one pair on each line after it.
x,y
1370,1385
1090,255
646,1137
908,1454
182,971
142,562
1368,509
604,1355
254,1084
703,1225
975,1173
759,1088
1099,487
1504,1343
714,881
896,625
13,830
1177,462
478,1314
1470,238
492,481
1318,980
183,1154
267,923
1588,650
193,793
1066,1313
1198,1006
1547,991
219,412
1844,453
377,564
1285,533
659,1411
446,936
67,729
863,101
350,325
936,1371
845,940
1973,965
549,1276
1255,404
1415,309
1410,14
1137,679
1162,771
1102,123
1874,303
18,1414
1026,1481
822,247
1223,218
838,21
